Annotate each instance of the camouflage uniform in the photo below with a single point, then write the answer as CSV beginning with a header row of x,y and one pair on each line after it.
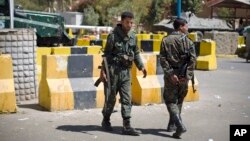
x,y
121,50
176,50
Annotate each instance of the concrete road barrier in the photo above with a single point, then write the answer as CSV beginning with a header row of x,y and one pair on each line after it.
x,y
68,82
207,57
7,89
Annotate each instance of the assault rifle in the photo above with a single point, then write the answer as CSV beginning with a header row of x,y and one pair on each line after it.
x,y
107,84
182,73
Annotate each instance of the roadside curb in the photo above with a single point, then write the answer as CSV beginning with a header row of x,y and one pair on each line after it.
x,y
226,56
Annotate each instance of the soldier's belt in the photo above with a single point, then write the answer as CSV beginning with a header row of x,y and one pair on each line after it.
x,y
120,64
175,68
127,57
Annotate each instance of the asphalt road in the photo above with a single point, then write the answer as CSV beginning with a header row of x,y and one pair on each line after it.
x,y
224,100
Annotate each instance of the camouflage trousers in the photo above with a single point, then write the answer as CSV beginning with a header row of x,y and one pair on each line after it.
x,y
120,79
174,96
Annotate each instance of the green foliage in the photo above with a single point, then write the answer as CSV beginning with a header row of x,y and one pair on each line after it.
x,y
37,5
224,12
103,12
90,17
115,12
195,6
137,7
102,6
110,9
156,13
147,12
44,5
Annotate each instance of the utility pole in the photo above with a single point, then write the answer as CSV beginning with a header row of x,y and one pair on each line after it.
x,y
178,8
11,13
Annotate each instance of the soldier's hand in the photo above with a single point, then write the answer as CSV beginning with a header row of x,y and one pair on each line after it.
x,y
144,72
103,76
174,79
183,80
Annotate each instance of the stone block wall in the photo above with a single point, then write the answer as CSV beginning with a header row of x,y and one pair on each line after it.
x,y
226,42
21,45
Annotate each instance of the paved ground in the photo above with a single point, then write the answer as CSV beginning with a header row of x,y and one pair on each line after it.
x,y
224,100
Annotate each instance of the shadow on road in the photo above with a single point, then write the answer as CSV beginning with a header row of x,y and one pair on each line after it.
x,y
88,128
32,106
156,132
116,130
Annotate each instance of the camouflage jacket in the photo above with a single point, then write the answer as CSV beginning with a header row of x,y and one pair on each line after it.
x,y
120,44
176,50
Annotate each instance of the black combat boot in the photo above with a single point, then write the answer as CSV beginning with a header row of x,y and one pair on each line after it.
x,y
106,125
128,130
171,126
180,127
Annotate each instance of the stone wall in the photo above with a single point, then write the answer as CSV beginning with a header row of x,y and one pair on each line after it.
x,y
21,44
226,42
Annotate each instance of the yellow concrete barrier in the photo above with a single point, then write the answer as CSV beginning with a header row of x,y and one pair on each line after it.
x,y
71,35
55,92
156,45
76,50
150,89
158,36
192,95
104,42
206,62
193,36
83,42
207,59
61,50
7,89
143,36
241,41
94,50
162,33
150,45
40,51
104,36
140,37
68,82
207,47
92,37
146,90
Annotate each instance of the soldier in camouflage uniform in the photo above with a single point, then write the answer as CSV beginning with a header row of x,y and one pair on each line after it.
x,y
176,51
121,51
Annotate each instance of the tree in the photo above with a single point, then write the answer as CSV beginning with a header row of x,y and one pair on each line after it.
x,y
102,6
38,5
138,7
156,13
224,12
195,6
115,12
44,5
90,17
